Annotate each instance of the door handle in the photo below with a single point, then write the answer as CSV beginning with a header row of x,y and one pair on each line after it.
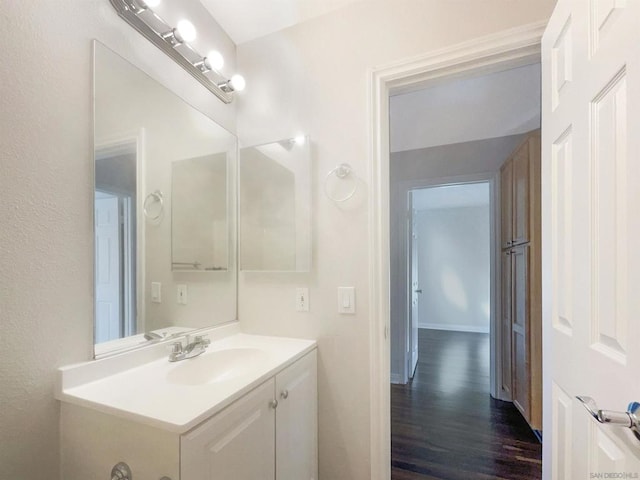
x,y
418,291
629,419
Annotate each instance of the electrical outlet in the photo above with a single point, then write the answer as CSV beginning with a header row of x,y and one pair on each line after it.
x,y
302,299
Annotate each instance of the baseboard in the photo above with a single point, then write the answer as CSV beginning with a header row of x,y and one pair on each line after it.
x,y
454,328
396,378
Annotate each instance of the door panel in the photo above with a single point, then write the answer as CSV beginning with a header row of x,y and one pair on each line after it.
x,y
506,204
521,195
297,421
520,330
107,265
507,292
237,443
591,172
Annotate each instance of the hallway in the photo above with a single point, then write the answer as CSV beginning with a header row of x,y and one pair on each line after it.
x,y
446,426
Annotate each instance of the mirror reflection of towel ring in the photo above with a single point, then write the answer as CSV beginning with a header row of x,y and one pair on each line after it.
x,y
341,172
153,197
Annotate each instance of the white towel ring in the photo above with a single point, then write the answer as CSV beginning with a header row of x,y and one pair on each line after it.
x,y
153,197
342,171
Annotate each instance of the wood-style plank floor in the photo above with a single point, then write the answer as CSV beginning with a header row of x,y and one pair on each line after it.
x,y
446,426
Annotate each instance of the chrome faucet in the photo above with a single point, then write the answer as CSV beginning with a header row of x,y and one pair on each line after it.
x,y
193,349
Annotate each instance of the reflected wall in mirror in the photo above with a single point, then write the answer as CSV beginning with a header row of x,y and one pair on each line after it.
x,y
199,233
155,153
275,206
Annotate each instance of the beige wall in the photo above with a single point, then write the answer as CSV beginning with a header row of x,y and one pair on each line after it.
x,y
313,78
46,190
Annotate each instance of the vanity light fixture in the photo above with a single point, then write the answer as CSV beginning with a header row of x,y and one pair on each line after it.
x,y
213,61
186,30
175,43
235,84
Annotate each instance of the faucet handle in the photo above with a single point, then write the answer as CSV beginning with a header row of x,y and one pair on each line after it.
x,y
175,347
202,340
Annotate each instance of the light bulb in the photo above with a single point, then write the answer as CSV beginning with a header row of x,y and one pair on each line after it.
x,y
152,3
238,83
186,30
300,140
215,60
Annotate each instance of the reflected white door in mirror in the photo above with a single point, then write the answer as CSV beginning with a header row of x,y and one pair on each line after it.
x,y
246,408
165,211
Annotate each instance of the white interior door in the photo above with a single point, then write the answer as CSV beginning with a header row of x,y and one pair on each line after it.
x,y
108,278
415,289
591,223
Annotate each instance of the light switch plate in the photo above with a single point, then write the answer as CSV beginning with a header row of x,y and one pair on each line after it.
x,y
347,300
156,292
302,299
182,294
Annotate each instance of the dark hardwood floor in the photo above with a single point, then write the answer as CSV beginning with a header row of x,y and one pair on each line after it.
x,y
446,426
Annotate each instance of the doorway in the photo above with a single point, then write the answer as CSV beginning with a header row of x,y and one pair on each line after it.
x,y
444,422
442,172
116,228
449,260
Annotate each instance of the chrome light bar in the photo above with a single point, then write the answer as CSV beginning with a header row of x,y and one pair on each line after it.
x,y
168,39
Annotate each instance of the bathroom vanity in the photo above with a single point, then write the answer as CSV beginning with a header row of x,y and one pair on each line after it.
x,y
245,409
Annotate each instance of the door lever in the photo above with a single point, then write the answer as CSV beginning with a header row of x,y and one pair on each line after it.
x,y
629,419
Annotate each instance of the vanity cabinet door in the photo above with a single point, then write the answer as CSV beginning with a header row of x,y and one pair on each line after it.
x,y
297,421
237,443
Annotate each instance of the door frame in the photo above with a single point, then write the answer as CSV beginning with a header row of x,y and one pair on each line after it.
x,y
118,144
403,285
507,49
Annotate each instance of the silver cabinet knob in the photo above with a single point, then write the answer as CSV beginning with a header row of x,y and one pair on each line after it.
x,y
273,403
629,419
121,471
285,394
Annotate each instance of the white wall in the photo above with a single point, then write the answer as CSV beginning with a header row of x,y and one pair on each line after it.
x,y
313,78
46,191
453,268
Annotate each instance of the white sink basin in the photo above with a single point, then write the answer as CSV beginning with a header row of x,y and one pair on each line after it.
x,y
217,366
144,386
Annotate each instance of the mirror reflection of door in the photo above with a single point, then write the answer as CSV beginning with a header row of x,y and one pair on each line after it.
x,y
115,243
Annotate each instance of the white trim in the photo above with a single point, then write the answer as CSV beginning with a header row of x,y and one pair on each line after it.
x,y
454,328
496,52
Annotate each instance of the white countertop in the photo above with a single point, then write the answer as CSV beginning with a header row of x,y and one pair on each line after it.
x,y
178,396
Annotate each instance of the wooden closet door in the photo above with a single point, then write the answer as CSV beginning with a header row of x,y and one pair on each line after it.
x,y
507,292
520,187
521,386
506,204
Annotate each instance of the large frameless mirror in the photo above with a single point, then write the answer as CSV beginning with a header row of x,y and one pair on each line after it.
x,y
165,243
275,206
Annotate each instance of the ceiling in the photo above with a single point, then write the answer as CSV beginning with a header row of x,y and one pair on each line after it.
x,y
488,106
245,20
451,196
